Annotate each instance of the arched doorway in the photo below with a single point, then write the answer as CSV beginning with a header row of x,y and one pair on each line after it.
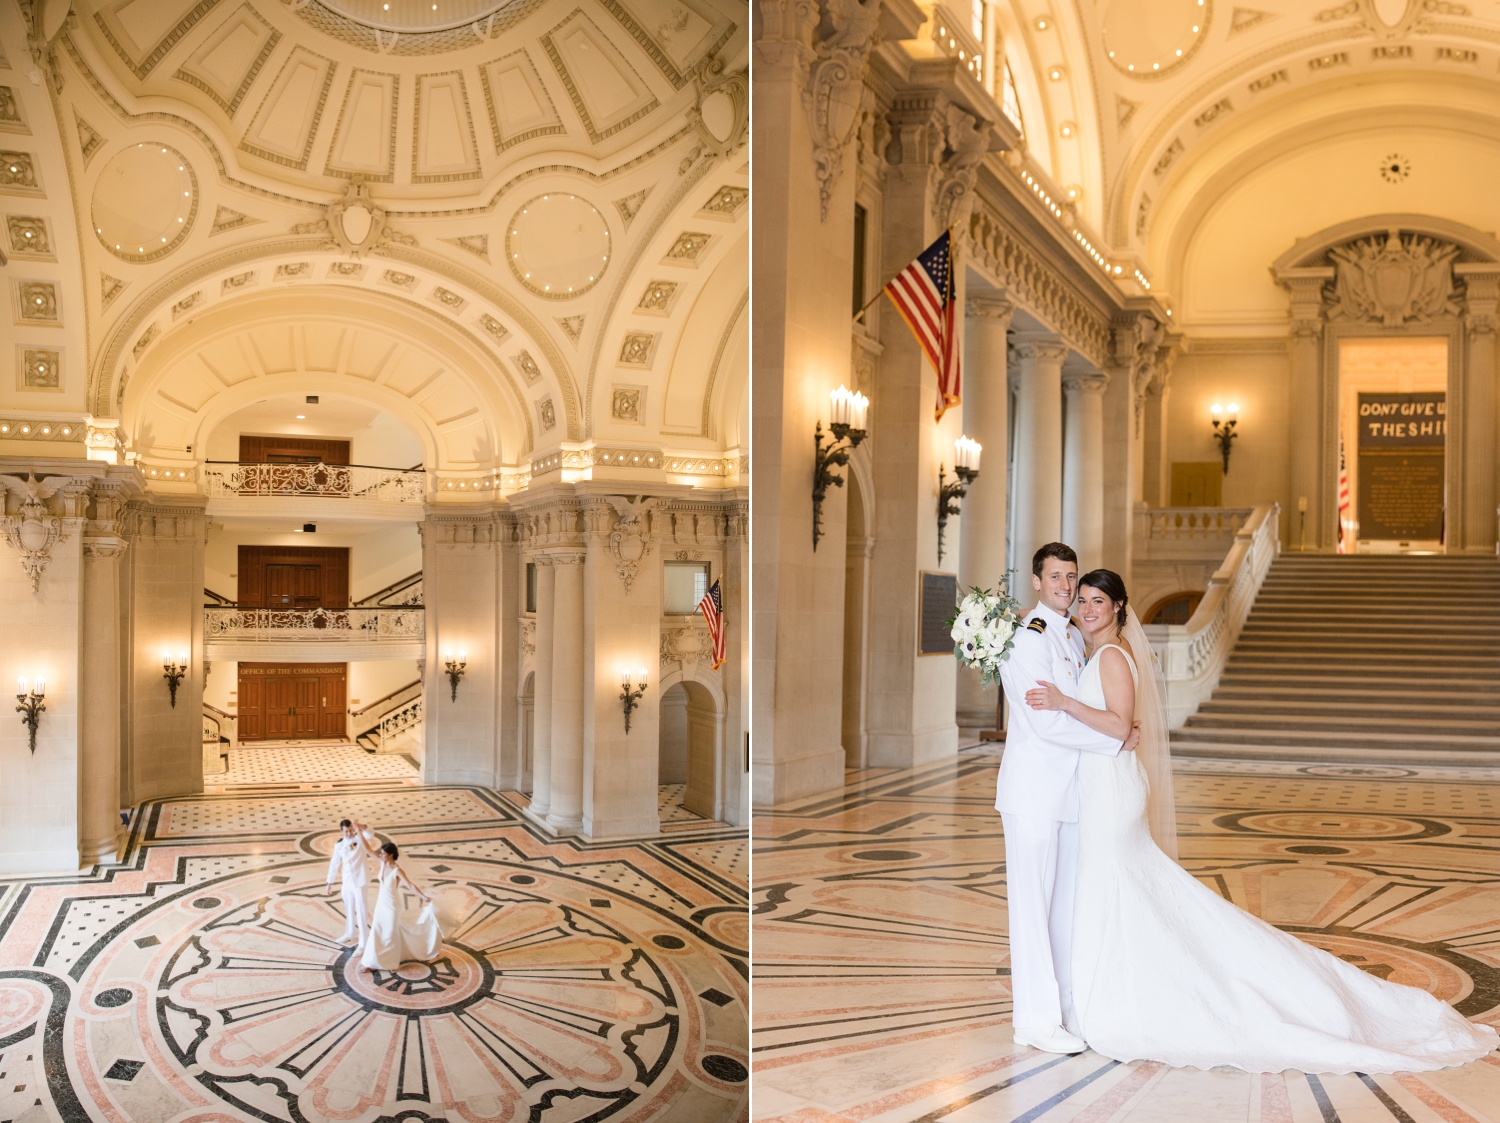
x,y
526,731
691,732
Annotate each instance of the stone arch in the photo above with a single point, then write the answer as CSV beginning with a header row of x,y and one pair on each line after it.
x,y
703,722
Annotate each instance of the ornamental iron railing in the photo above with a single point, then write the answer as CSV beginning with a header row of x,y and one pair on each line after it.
x,y
315,625
230,479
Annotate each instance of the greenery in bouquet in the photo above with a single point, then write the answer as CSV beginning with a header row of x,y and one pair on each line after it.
x,y
983,627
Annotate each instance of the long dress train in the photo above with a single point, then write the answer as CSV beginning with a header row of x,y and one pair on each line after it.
x,y
393,939
1166,969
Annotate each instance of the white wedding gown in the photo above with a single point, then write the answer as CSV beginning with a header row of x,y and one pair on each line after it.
x,y
1165,969
393,939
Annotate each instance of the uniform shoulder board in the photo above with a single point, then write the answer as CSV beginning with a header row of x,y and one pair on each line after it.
x,y
1037,625
1074,621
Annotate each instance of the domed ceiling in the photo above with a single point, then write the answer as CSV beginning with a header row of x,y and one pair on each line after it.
x,y
553,187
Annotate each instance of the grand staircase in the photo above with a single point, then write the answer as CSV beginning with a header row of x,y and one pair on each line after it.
x,y
1384,659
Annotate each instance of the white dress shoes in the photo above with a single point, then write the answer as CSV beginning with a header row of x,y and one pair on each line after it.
x,y
1049,1039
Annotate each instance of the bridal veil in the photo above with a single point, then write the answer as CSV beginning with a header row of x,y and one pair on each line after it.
x,y
1154,751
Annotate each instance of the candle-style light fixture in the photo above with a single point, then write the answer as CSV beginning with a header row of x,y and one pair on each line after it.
x,y
30,704
1224,423
173,670
847,414
966,468
455,669
631,698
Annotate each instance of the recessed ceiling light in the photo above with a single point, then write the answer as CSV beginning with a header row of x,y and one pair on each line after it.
x,y
302,417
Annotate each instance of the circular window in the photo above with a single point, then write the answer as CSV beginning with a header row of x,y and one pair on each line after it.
x,y
144,202
558,245
1152,38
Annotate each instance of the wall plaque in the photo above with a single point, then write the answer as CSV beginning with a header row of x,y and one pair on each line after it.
x,y
1401,465
939,599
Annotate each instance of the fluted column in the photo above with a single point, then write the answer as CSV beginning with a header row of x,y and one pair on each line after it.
x,y
99,709
983,530
1305,409
1482,286
566,812
1083,468
1039,470
541,729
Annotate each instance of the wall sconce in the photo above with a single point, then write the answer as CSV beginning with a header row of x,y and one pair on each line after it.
x,y
847,421
631,698
174,670
455,669
966,468
30,705
1224,428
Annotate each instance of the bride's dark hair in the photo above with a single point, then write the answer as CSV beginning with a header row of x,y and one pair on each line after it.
x,y
390,848
1108,582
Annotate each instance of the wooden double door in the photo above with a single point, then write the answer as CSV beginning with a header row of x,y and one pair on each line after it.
x,y
293,577
293,701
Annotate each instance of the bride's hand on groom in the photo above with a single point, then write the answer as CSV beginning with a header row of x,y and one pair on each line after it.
x,y
1133,740
1045,696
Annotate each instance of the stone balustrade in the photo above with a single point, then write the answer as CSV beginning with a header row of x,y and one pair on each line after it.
x,y
402,625
232,480
1193,655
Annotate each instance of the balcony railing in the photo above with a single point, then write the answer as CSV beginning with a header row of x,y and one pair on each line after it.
x,y
315,625
227,479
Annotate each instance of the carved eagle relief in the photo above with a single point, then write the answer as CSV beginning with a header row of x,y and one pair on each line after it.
x,y
1393,279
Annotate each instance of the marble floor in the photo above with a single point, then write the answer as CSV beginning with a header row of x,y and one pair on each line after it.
x,y
881,964
296,762
201,980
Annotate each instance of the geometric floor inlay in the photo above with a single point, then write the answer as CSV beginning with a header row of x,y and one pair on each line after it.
x,y
291,764
882,964
202,981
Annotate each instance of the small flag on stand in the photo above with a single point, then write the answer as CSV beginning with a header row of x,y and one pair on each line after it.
x,y
712,607
923,294
1344,520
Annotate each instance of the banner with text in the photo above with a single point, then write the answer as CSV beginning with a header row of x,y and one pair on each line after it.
x,y
1401,465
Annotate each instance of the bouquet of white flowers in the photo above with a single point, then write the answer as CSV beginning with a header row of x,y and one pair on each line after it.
x,y
984,628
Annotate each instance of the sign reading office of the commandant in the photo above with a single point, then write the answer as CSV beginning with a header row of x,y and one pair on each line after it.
x,y
1401,466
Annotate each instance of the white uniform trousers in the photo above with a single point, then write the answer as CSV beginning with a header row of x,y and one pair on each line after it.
x,y
1041,872
356,913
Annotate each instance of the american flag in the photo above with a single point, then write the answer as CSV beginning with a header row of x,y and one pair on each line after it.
x,y
712,607
1343,496
923,294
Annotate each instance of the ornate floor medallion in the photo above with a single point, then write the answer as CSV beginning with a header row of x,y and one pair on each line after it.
x,y
574,984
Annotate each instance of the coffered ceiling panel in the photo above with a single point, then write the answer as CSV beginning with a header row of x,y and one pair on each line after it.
x,y
443,146
143,31
284,125
519,105
364,138
607,93
226,63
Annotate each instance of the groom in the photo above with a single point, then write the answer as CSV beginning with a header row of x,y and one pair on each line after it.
x,y
1037,797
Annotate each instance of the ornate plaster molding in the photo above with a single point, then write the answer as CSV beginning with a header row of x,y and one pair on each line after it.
x,y
1032,282
629,541
835,90
34,530
1395,279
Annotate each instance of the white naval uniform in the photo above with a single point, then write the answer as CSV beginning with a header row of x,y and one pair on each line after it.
x,y
1037,797
350,864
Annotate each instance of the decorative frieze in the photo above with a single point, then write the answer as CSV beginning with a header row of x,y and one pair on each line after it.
x,y
33,529
1393,279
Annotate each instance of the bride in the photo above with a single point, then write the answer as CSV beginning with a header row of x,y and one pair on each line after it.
x,y
392,941
1164,968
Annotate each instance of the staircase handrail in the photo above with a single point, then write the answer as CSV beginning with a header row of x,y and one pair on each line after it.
x,y
375,715
1193,655
219,599
375,600
225,725
382,701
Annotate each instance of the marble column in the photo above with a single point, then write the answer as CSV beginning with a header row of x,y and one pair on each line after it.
x,y
541,730
99,706
1039,450
1482,286
1305,412
983,530
1083,467
566,811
